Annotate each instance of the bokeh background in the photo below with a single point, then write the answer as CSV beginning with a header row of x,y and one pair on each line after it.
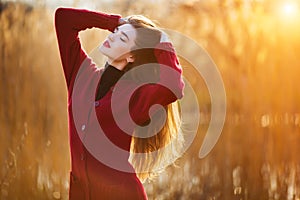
x,y
255,45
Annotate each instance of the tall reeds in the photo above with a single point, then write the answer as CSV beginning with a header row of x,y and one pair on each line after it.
x,y
256,53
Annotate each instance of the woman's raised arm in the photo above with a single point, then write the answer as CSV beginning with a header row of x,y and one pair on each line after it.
x,y
68,23
150,94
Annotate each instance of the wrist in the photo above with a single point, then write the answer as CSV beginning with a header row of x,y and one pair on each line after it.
x,y
122,21
164,37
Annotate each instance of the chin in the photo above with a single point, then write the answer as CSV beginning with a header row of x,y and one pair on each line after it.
x,y
101,49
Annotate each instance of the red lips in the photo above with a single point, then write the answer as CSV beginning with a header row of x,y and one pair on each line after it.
x,y
106,44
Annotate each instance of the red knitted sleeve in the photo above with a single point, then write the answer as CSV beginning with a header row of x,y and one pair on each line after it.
x,y
167,90
68,23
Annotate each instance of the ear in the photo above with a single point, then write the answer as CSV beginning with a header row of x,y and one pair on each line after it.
x,y
130,59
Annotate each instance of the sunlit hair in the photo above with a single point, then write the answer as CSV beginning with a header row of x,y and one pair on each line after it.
x,y
148,165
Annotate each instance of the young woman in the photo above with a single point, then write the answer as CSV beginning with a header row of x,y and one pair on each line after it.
x,y
134,41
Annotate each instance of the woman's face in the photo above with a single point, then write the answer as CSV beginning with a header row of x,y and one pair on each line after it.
x,y
118,44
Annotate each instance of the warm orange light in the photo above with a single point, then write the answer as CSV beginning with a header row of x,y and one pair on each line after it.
x,y
288,14
289,9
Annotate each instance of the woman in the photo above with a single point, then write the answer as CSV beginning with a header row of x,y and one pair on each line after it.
x,y
134,41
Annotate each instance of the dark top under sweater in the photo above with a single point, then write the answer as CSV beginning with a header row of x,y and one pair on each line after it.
x,y
109,78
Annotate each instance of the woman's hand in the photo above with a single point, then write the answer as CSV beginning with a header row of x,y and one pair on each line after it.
x,y
122,21
164,37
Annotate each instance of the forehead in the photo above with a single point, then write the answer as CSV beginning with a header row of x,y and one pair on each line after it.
x,y
129,30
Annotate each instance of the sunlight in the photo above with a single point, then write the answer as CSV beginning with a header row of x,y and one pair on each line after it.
x,y
288,13
289,9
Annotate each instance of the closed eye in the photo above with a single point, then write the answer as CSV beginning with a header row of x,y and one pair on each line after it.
x,y
123,34
122,39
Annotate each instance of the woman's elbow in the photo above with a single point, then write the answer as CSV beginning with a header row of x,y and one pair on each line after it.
x,y
59,15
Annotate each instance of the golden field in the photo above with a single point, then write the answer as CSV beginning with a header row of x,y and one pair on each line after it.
x,y
254,44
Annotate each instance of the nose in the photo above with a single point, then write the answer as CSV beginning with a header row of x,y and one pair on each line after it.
x,y
111,37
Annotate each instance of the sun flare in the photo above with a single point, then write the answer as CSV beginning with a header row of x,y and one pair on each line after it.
x,y
289,9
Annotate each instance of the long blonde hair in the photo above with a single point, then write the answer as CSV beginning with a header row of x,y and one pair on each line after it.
x,y
150,155
162,147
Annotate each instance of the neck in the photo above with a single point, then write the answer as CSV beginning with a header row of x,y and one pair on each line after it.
x,y
119,64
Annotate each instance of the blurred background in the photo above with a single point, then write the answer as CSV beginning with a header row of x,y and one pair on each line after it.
x,y
255,45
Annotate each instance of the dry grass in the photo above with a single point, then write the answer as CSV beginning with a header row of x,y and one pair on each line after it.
x,y
257,154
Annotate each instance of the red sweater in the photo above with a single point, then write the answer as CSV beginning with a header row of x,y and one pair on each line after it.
x,y
100,167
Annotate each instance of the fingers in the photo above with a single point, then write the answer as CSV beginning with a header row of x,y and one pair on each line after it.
x,y
122,21
164,37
